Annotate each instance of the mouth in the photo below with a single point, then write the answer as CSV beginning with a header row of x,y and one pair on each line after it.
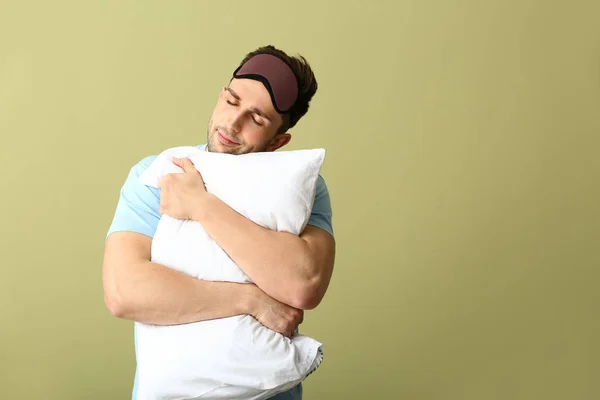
x,y
225,140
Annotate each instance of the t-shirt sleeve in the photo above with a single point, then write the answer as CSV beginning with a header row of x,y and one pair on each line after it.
x,y
138,205
321,215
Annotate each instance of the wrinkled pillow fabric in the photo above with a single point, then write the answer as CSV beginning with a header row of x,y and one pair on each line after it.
x,y
235,357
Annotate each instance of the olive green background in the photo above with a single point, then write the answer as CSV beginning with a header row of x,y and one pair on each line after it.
x,y
462,161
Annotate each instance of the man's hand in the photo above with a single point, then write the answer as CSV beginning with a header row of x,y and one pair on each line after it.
x,y
275,315
180,192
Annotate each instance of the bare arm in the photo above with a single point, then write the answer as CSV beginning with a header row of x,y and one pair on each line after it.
x,y
137,289
293,269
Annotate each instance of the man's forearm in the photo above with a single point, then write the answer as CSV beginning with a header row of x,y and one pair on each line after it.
x,y
278,262
152,293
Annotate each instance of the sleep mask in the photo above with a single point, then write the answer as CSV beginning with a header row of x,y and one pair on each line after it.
x,y
277,77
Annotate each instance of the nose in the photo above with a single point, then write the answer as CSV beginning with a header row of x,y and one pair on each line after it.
x,y
235,121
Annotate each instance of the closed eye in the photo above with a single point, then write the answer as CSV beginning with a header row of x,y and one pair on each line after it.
x,y
253,119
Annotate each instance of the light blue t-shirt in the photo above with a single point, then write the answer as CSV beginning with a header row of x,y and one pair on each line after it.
x,y
137,211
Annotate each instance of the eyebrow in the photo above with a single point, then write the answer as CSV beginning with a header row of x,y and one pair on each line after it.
x,y
253,109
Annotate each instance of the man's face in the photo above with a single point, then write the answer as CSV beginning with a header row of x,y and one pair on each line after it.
x,y
244,120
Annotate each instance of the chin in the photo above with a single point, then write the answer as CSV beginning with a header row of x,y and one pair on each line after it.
x,y
219,147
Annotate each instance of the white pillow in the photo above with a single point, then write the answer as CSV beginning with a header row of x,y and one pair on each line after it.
x,y
234,357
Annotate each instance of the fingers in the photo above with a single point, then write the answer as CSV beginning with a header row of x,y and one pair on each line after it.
x,y
185,164
177,161
165,181
188,166
296,318
292,332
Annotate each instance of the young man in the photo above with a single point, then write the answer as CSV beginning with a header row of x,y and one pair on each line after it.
x,y
269,92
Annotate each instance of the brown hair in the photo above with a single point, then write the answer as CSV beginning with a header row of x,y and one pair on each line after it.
x,y
307,83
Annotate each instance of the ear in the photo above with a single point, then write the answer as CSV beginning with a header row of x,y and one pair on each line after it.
x,y
280,140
